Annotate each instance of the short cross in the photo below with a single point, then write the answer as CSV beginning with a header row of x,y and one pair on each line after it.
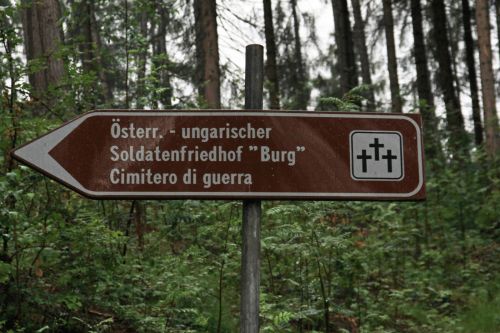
x,y
364,157
389,157
376,145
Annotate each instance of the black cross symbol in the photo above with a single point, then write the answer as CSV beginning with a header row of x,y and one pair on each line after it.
x,y
389,157
364,157
376,145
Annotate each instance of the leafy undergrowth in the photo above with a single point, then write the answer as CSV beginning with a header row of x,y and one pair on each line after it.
x,y
482,315
76,265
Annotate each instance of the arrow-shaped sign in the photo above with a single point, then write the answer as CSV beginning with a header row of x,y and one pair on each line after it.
x,y
36,154
234,154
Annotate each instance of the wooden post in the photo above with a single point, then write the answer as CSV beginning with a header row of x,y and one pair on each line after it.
x,y
250,254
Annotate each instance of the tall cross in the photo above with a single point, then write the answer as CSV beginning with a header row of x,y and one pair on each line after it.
x,y
364,158
377,147
389,157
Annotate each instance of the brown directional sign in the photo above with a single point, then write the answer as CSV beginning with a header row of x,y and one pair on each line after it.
x,y
234,154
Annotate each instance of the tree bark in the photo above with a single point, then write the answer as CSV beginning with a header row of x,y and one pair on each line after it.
x,y
207,52
161,61
396,102
454,118
346,64
471,72
362,50
497,9
424,88
90,48
42,38
487,79
271,70
142,59
139,221
84,14
454,39
300,84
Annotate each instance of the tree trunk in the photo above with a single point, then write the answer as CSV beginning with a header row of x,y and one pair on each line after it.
x,y
105,62
300,86
142,59
42,38
471,72
207,52
271,67
497,9
396,102
346,64
454,39
90,48
83,14
487,79
127,53
424,88
87,32
161,62
454,118
139,221
362,50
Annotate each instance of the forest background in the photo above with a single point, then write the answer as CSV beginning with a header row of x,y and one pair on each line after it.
x,y
69,264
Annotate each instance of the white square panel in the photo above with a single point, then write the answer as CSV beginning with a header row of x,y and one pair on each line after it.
x,y
376,155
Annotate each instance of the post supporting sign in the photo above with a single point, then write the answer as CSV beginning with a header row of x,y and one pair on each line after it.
x,y
246,154
250,254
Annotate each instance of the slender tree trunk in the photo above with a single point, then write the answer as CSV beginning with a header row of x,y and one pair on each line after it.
x,y
131,215
362,50
301,90
497,10
153,37
420,54
207,52
82,33
104,62
141,60
396,102
471,72
271,67
346,64
487,79
83,14
454,118
454,53
87,31
424,88
127,49
139,221
42,38
161,61
90,48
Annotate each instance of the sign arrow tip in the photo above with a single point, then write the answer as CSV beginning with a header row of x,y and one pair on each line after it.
x,y
36,154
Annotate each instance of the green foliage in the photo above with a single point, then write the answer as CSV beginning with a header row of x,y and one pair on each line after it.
x,y
351,101
379,267
68,264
